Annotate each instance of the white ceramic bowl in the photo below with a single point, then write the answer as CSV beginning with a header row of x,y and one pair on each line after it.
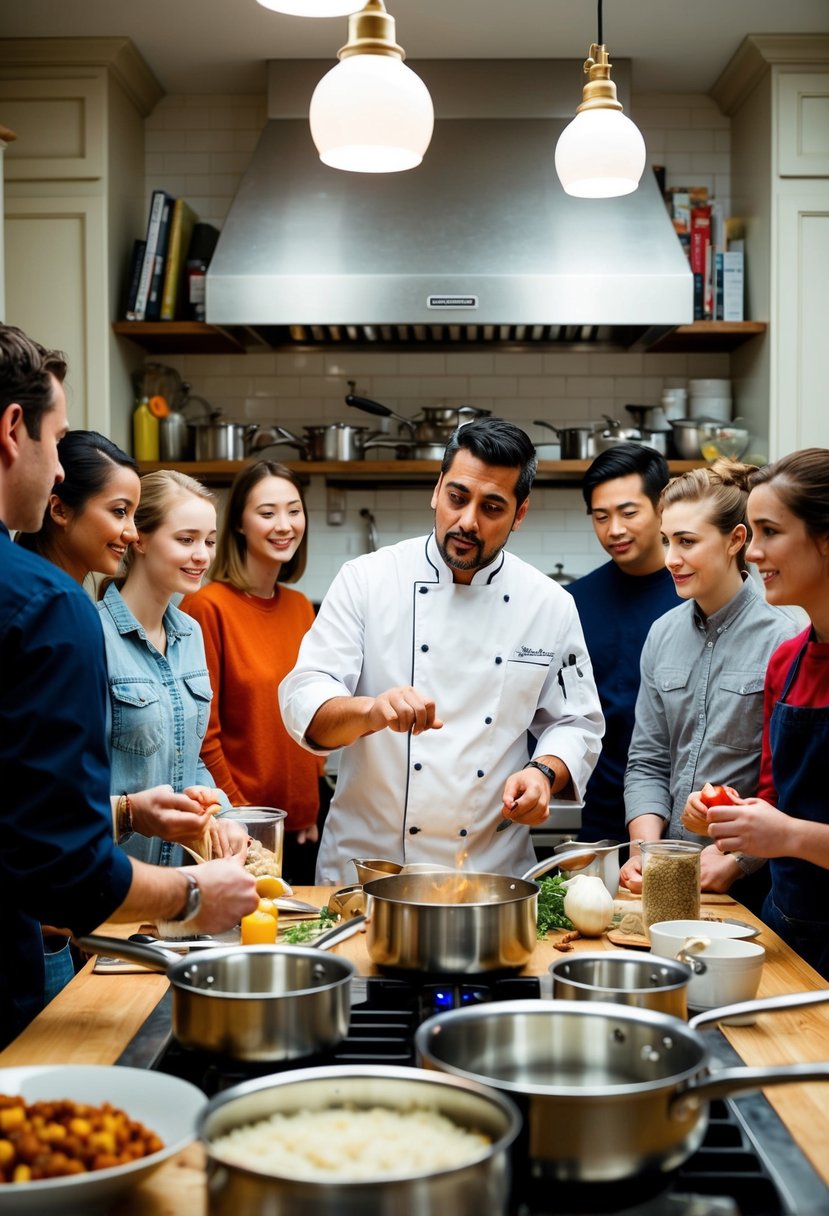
x,y
717,409
709,388
732,973
669,936
165,1105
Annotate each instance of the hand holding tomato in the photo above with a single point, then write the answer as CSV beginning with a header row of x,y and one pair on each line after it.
x,y
695,812
718,795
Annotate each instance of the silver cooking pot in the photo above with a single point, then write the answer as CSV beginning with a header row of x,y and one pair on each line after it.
x,y
577,442
330,441
607,1091
267,1003
466,1190
624,977
216,439
435,424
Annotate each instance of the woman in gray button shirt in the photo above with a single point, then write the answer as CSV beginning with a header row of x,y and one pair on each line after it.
x,y
699,713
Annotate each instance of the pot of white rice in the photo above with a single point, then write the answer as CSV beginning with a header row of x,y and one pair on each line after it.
x,y
359,1141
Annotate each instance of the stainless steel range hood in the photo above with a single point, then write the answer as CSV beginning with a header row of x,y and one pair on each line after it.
x,y
479,243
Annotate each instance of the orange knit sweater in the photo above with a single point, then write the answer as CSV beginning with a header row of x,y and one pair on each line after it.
x,y
251,644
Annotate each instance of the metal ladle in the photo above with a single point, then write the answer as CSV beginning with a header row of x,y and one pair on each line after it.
x,y
566,859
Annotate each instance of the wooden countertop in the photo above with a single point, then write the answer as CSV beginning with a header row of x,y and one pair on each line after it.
x,y
95,1016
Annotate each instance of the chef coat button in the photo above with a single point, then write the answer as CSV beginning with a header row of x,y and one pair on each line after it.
x,y
480,772
418,767
488,721
424,648
498,660
463,832
506,599
423,590
413,831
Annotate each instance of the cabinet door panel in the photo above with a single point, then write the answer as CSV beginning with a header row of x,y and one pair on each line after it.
x,y
54,258
59,126
803,128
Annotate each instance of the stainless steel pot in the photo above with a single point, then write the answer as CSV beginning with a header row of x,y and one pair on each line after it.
x,y
435,424
451,922
266,1003
687,438
215,439
607,1091
577,442
624,977
333,441
482,1187
173,437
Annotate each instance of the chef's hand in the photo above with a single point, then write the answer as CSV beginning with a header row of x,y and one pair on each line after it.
x,y
227,838
179,818
228,892
630,875
717,873
403,710
695,815
753,826
526,797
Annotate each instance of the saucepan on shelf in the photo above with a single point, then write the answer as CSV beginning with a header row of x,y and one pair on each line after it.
x,y
326,442
431,428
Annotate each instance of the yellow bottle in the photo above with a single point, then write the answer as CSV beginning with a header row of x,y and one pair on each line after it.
x,y
258,929
144,432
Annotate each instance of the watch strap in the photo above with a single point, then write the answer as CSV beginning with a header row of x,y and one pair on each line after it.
x,y
192,903
548,772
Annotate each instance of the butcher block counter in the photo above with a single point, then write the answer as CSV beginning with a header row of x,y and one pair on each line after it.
x,y
95,1016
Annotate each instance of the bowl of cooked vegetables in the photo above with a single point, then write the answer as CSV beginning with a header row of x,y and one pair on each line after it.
x,y
74,1137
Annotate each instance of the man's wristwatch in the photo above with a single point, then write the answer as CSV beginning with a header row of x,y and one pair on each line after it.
x,y
548,772
192,904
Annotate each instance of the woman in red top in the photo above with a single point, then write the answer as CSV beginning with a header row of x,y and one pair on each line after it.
x,y
788,510
252,626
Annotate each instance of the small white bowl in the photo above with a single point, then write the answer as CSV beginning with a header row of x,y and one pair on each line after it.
x,y
709,388
733,968
715,409
669,936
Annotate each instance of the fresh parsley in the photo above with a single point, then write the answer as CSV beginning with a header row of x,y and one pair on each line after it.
x,y
551,905
306,930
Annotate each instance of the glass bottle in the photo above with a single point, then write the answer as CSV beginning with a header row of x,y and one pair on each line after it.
x,y
670,880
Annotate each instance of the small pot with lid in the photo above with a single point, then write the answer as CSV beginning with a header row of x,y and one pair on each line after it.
x,y
432,428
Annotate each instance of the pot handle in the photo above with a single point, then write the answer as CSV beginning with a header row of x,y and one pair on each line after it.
x,y
765,1004
549,425
156,958
730,1081
340,932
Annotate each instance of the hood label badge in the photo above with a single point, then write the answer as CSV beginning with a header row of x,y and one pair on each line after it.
x,y
451,301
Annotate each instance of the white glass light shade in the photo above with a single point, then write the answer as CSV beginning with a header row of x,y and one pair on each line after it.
x,y
313,8
371,114
600,154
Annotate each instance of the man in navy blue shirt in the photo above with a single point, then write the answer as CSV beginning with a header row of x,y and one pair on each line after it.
x,y
59,864
617,605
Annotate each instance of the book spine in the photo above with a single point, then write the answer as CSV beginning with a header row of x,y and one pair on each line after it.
x,y
143,293
733,285
181,227
134,277
700,242
153,310
718,285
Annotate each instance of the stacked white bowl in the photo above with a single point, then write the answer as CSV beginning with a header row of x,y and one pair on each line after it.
x,y
710,399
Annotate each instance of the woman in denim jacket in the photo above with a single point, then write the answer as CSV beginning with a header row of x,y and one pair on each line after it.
x,y
159,686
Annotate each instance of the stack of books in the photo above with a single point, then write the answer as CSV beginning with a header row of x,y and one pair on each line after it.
x,y
156,284
715,249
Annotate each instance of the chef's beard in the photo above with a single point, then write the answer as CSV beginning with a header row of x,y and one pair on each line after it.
x,y
475,562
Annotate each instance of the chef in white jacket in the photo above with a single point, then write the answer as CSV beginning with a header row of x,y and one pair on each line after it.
x,y
455,677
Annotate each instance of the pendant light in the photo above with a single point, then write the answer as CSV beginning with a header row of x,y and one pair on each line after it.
x,y
370,113
601,153
312,8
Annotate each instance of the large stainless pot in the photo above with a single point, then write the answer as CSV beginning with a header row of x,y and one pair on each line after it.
x,y
266,1003
471,1190
329,441
216,439
624,977
435,424
451,922
607,1091
577,442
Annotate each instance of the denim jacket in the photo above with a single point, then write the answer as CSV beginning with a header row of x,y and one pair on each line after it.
x,y
157,710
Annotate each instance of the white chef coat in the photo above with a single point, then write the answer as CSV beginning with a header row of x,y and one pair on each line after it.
x,y
501,656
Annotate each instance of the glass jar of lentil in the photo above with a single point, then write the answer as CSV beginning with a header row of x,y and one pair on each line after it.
x,y
670,880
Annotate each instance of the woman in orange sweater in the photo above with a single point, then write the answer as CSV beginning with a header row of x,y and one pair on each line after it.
x,y
252,626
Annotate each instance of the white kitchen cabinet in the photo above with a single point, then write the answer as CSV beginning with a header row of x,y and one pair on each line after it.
x,y
74,203
776,92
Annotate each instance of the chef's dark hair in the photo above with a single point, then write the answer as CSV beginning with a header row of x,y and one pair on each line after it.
x,y
622,460
498,442
801,481
88,460
26,370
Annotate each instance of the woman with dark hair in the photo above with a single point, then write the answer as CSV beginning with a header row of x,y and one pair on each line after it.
x,y
788,821
253,625
699,712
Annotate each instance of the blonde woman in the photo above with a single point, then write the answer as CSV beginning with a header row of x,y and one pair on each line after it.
x,y
699,712
253,624
159,685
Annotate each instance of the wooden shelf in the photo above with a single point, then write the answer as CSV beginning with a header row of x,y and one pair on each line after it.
x,y
199,338
356,474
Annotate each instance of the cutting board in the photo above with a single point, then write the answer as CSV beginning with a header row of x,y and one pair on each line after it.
x,y
628,930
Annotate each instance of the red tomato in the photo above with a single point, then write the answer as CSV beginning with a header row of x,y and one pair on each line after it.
x,y
718,795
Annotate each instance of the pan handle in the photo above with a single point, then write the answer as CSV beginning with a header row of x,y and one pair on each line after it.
x,y
765,1004
730,1081
549,425
156,958
340,932
374,407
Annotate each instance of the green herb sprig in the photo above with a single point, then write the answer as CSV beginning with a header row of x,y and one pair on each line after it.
x,y
306,930
551,905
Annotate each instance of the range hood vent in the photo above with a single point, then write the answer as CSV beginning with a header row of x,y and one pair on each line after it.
x,y
479,245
